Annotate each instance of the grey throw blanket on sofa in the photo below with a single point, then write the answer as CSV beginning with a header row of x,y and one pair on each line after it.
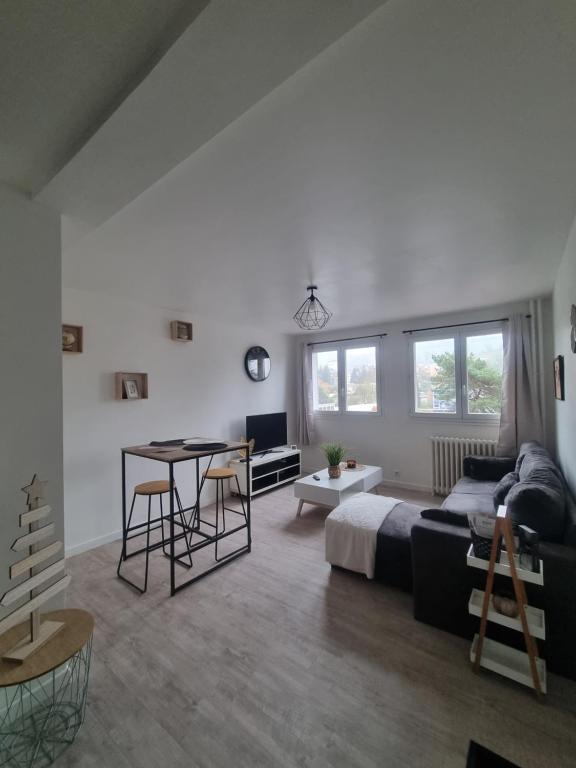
x,y
394,547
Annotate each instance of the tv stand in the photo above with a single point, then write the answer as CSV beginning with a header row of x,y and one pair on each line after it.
x,y
271,469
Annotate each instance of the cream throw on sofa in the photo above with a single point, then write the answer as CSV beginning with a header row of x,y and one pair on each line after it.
x,y
352,528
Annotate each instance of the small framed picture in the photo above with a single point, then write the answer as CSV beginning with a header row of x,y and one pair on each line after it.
x,y
131,389
559,377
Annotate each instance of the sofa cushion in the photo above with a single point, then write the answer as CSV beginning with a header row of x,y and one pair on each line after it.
x,y
532,447
503,488
487,467
570,529
468,503
476,487
450,516
541,506
538,467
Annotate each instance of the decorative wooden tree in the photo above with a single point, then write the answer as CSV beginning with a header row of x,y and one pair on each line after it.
x,y
40,631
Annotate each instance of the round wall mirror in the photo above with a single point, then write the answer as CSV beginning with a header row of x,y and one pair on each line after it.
x,y
257,363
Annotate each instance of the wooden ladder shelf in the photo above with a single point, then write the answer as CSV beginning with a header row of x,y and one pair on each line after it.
x,y
505,660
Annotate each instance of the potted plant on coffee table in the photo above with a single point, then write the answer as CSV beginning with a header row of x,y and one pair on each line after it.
x,y
334,453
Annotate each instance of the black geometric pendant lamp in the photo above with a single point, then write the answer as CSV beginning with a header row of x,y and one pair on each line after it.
x,y
312,315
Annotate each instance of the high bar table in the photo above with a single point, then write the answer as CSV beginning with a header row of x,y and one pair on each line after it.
x,y
172,455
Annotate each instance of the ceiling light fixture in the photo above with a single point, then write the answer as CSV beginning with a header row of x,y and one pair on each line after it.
x,y
312,315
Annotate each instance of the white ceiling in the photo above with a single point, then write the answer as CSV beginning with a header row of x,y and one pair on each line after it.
x,y
233,54
425,162
65,66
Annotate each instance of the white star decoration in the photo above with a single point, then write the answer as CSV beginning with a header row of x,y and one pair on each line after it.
x,y
35,490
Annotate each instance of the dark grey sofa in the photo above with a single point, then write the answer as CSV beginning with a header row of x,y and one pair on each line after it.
x,y
425,552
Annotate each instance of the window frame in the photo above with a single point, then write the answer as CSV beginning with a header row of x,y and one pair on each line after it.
x,y
340,348
459,335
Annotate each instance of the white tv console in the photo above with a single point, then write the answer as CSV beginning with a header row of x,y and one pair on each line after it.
x,y
269,471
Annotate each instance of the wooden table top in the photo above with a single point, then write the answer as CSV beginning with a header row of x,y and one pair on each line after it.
x,y
65,643
170,454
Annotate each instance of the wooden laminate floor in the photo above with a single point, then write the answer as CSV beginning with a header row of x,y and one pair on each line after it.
x,y
276,660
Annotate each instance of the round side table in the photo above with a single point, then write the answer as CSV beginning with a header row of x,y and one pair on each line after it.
x,y
43,701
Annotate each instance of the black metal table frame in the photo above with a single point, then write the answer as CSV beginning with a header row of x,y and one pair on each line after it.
x,y
195,509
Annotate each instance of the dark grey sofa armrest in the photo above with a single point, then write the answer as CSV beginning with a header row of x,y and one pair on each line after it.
x,y
557,599
442,580
488,467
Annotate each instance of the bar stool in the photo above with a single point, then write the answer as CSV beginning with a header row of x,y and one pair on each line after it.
x,y
150,489
220,474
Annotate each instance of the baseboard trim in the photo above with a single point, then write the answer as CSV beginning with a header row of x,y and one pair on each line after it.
x,y
77,549
407,486
85,546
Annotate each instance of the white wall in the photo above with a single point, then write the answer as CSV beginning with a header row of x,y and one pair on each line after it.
x,y
194,389
31,372
396,440
564,297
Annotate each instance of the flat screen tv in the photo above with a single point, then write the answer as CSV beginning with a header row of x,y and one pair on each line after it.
x,y
268,430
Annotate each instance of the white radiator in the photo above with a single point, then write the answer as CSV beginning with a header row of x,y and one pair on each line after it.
x,y
447,456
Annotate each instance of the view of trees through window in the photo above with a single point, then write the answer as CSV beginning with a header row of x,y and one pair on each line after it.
x,y
436,375
359,364
361,394
325,377
345,378
484,363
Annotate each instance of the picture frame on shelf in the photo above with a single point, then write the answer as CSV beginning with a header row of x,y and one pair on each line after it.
x,y
72,338
559,378
131,389
131,385
482,533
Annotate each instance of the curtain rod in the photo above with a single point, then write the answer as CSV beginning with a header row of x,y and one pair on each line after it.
x,y
461,325
351,338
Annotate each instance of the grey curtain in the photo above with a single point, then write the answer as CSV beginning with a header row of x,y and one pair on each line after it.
x,y
304,403
521,417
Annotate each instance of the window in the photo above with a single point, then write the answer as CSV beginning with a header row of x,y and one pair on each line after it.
x,y
361,390
325,385
484,363
458,375
345,379
435,376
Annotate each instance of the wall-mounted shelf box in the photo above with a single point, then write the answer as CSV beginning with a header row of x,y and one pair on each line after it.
x,y
72,338
141,380
267,472
180,330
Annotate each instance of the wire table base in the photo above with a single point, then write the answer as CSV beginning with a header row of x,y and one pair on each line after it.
x,y
41,717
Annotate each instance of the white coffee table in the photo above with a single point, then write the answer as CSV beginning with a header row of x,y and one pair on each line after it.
x,y
329,493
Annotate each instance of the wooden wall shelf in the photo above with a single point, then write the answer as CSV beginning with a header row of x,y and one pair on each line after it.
x,y
72,338
180,330
131,386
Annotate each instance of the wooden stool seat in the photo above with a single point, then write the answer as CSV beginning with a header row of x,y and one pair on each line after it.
x,y
152,488
219,473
